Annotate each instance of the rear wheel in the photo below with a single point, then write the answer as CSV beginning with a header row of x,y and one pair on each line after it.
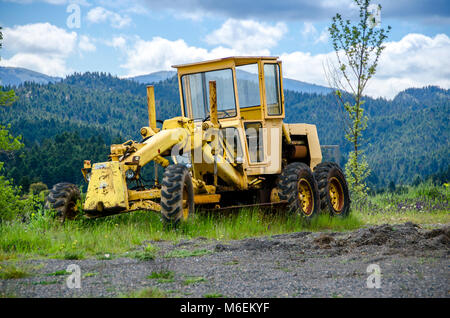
x,y
298,187
333,189
63,199
177,195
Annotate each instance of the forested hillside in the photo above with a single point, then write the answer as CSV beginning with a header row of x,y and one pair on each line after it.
x,y
90,103
406,139
66,122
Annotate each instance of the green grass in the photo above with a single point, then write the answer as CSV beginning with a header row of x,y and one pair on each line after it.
x,y
422,204
233,262
187,253
43,237
163,276
143,255
147,254
104,256
194,279
115,235
393,217
146,293
73,255
90,274
11,271
213,295
59,273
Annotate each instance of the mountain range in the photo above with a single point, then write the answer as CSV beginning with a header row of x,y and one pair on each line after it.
x,y
15,76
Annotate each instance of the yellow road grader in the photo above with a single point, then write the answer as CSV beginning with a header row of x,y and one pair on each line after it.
x,y
230,148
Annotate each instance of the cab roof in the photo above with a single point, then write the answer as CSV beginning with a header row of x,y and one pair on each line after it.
x,y
238,60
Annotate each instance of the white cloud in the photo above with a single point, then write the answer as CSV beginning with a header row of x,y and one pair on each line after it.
x,y
118,42
160,54
415,61
136,8
309,29
234,37
193,15
55,2
42,38
31,1
247,36
41,47
323,37
305,67
333,4
85,44
49,65
100,15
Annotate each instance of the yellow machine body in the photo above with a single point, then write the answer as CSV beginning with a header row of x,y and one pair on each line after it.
x,y
221,168
107,188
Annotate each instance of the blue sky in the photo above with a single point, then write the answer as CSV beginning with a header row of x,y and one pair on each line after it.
x,y
128,38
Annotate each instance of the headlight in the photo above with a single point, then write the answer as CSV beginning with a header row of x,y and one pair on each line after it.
x,y
129,174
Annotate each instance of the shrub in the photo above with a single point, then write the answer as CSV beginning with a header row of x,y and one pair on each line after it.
x,y
12,204
38,187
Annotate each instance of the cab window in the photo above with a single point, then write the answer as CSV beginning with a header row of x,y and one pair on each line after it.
x,y
248,85
255,144
196,93
272,82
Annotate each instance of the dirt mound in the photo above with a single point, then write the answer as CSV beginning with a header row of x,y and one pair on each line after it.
x,y
407,236
253,244
384,234
324,241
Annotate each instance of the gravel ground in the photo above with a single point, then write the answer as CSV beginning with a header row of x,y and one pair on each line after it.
x,y
414,262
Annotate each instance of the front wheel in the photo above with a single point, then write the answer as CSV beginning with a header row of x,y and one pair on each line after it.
x,y
177,195
298,187
63,199
333,189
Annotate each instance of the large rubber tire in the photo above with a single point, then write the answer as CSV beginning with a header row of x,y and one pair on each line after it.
x,y
177,195
333,189
298,187
63,199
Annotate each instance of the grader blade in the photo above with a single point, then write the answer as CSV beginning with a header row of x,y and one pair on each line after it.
x,y
267,207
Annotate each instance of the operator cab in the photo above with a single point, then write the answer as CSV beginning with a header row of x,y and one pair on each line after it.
x,y
249,101
240,82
